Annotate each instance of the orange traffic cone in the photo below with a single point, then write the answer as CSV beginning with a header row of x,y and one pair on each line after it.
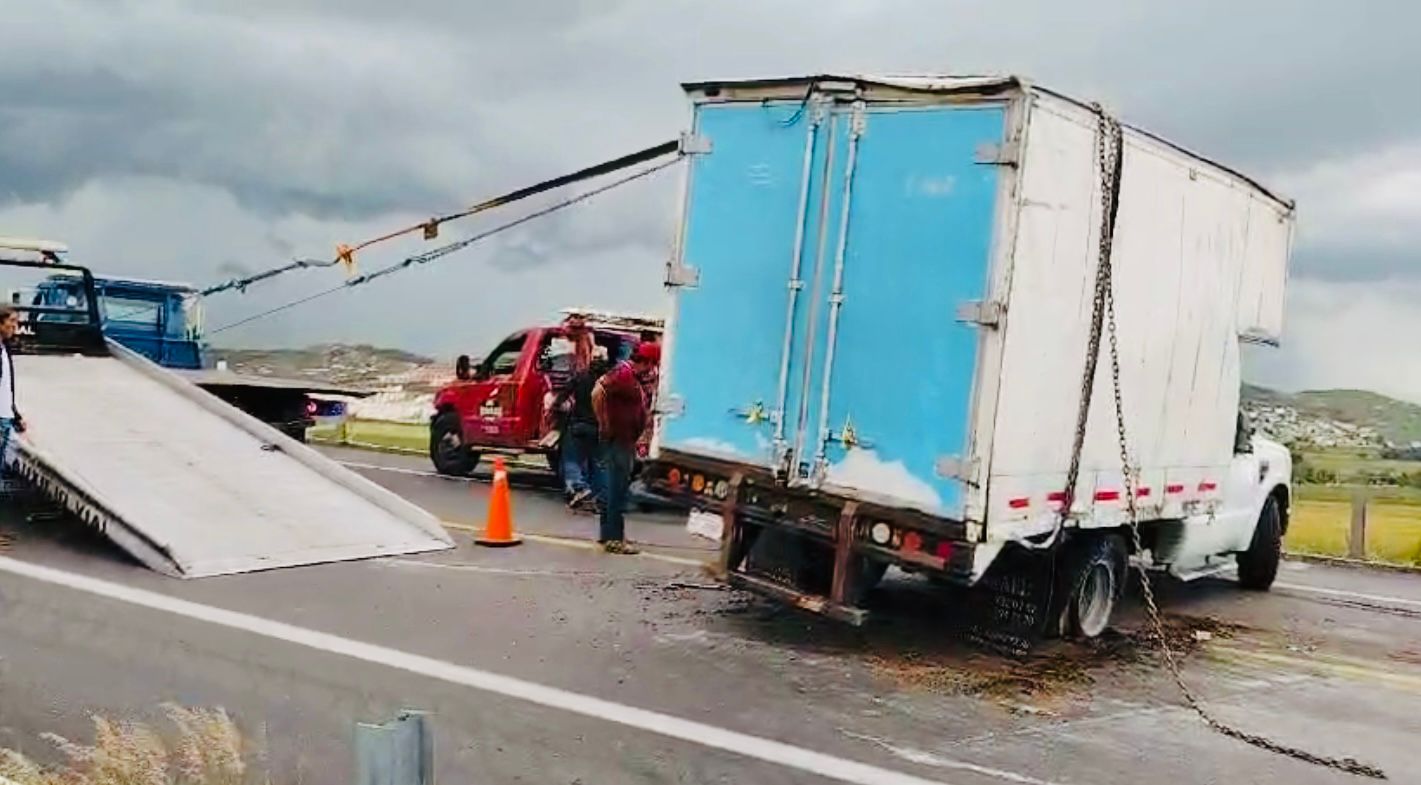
x,y
498,531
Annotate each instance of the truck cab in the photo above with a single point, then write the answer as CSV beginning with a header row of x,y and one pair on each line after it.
x,y
160,320
498,404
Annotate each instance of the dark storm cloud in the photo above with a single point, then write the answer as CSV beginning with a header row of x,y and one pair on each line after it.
x,y
345,110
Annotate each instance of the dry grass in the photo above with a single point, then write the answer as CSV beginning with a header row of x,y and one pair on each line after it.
x,y
203,747
1321,527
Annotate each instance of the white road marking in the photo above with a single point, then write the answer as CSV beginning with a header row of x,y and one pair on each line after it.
x,y
401,470
480,568
743,744
933,759
586,545
1382,598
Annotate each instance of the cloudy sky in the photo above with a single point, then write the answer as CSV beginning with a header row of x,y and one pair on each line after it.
x,y
196,139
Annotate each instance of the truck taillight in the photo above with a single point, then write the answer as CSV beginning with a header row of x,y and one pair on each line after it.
x,y
311,408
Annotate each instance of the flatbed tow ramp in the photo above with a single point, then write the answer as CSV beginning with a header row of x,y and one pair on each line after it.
x,y
187,484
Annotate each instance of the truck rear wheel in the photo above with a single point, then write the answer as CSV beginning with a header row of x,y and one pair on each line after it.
x,y
1096,575
1258,566
451,456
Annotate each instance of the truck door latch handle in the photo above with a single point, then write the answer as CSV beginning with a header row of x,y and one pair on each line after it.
x,y
754,415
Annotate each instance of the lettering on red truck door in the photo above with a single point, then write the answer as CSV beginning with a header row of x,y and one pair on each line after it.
x,y
493,394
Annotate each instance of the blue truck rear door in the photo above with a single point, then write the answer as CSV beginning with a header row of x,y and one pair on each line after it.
x,y
751,202
898,377
843,364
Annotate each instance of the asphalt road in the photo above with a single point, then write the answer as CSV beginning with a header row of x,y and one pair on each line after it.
x,y
742,692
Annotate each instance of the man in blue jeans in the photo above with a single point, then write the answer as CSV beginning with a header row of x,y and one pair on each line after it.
x,y
622,415
10,420
579,437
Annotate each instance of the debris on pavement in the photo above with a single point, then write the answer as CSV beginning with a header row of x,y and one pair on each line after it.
x,y
698,586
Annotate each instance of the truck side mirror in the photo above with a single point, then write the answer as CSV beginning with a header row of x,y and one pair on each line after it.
x,y
462,371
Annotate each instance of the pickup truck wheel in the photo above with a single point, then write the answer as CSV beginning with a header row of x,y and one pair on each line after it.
x,y
447,450
1097,577
1258,566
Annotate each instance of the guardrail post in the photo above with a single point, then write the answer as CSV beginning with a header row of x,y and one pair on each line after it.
x,y
1357,537
398,752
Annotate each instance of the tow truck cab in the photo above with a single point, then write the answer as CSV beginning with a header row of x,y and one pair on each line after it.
x,y
162,321
498,404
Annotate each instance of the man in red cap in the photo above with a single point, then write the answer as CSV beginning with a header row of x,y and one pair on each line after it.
x,y
622,413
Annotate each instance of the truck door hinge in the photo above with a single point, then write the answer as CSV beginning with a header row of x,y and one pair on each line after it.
x,y
694,144
682,275
671,406
858,121
998,154
986,313
953,467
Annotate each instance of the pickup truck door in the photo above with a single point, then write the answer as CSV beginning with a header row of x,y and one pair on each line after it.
x,y
489,404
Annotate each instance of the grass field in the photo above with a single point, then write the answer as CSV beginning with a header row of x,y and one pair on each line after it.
x,y
1320,526
1349,463
413,437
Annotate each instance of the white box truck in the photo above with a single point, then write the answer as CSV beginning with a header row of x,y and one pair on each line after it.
x,y
885,305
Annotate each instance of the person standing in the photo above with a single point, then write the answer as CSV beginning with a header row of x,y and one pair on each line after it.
x,y
621,409
10,420
579,429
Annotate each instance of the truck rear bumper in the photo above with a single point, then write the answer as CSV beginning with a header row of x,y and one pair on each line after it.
x,y
812,550
798,599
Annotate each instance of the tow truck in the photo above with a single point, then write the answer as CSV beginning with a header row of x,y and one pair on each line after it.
x,y
163,321
497,405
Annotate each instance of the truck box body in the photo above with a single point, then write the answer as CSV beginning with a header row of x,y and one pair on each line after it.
x,y
882,292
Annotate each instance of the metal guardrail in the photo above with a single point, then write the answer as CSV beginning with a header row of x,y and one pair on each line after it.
x,y
398,752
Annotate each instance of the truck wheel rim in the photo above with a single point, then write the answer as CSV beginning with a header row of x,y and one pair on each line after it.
x,y
1095,600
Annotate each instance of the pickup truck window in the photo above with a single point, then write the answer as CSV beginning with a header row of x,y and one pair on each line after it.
x,y
556,358
504,359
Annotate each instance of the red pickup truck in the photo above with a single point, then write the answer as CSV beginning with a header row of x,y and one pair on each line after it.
x,y
497,405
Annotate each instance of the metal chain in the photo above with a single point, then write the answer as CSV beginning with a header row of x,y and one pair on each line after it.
x,y
1110,160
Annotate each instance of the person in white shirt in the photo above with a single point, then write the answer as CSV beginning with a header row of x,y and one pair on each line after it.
x,y
10,420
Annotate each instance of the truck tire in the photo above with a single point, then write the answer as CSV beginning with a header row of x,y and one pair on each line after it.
x,y
447,450
871,572
1258,566
1096,574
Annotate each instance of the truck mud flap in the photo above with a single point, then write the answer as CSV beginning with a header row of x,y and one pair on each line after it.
x,y
1009,609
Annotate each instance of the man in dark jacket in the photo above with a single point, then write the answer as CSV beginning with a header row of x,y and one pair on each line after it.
x,y
578,438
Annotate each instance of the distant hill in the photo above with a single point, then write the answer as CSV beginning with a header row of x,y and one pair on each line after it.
x,y
1397,422
333,362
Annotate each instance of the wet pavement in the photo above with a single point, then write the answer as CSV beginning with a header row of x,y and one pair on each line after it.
x,y
1330,661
